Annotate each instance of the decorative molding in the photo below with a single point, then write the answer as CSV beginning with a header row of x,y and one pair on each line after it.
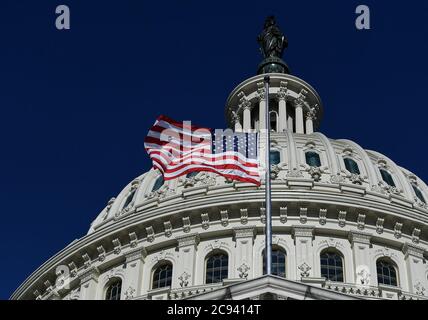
x,y
244,232
243,271
342,218
167,229
184,279
323,217
303,215
150,234
133,239
129,293
283,215
224,218
90,274
261,92
379,225
244,216
283,91
398,230
215,245
385,252
87,260
304,270
205,221
101,253
332,243
263,215
410,249
161,256
360,237
117,246
136,254
419,289
186,224
303,231
416,235
73,269
361,221
188,240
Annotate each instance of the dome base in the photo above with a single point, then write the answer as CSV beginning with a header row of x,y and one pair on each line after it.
x,y
273,65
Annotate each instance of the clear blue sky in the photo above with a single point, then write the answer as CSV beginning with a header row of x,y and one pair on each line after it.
x,y
76,105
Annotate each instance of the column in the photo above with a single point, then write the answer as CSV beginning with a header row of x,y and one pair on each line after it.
x,y
303,236
309,124
413,257
238,126
299,117
262,105
364,273
282,111
244,238
89,284
290,125
132,286
187,246
247,118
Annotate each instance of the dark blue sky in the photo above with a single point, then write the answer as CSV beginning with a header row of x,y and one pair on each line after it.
x,y
76,105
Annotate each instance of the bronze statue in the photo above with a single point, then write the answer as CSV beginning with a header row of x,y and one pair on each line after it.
x,y
272,41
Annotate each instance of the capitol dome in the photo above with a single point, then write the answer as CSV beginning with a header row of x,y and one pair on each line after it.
x,y
348,223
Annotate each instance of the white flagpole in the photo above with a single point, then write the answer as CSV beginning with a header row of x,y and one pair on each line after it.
x,y
268,248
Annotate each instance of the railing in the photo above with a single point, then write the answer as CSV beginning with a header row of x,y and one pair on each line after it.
x,y
355,290
186,292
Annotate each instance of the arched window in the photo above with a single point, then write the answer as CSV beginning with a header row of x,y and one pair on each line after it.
x,y
386,272
386,176
278,263
351,166
162,276
419,193
331,265
273,121
114,290
191,175
129,199
158,184
217,268
313,159
275,157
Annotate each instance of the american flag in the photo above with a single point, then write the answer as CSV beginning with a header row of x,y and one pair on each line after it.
x,y
178,149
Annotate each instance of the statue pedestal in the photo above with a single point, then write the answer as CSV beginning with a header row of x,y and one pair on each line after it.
x,y
273,65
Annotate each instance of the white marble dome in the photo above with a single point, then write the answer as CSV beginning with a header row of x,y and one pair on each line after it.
x,y
332,201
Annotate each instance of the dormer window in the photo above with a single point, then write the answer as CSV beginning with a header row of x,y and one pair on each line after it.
x,y
129,199
275,158
386,176
419,194
158,184
352,166
313,159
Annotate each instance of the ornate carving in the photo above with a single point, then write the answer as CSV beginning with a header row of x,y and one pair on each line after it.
x,y
101,253
415,235
360,237
337,179
410,249
385,252
202,178
397,230
188,240
261,92
244,216
379,225
419,289
244,232
150,234
303,215
205,221
355,179
224,218
263,215
110,204
162,255
303,231
304,270
361,221
283,91
294,173
316,173
167,228
283,215
129,293
184,279
133,240
215,245
331,243
323,217
342,218
73,269
186,224
243,271
363,275
117,246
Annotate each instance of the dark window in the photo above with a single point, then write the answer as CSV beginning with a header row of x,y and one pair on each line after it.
x,y
351,166
386,176
217,268
192,174
158,184
275,157
273,121
114,290
129,199
386,273
331,266
313,159
278,263
162,277
418,193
